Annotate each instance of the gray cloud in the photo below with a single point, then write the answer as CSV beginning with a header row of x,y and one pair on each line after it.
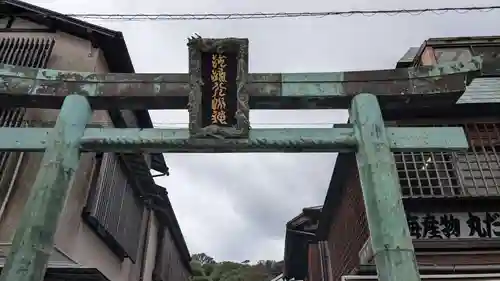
x,y
235,206
249,197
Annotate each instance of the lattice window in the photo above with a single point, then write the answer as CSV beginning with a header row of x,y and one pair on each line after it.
x,y
472,173
424,174
479,169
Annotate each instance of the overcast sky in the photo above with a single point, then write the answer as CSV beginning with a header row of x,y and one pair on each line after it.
x,y
235,206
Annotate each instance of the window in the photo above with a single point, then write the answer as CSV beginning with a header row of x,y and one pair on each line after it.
x,y
479,172
424,174
112,207
472,173
479,168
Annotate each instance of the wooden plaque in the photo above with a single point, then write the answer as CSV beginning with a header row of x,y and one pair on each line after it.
x,y
218,100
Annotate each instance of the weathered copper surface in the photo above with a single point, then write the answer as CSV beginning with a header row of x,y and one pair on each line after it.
x,y
338,138
266,90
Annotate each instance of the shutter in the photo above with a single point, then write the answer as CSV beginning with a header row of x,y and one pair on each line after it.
x,y
130,223
114,207
20,51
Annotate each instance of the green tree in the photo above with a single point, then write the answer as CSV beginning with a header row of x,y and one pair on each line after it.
x,y
203,258
205,268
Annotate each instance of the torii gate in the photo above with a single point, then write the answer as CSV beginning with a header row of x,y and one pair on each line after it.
x,y
218,92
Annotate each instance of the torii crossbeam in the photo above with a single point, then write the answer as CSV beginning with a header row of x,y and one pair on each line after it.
x,y
46,87
218,93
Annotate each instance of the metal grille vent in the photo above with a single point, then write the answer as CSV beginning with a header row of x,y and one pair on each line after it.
x,y
113,206
472,173
20,51
29,52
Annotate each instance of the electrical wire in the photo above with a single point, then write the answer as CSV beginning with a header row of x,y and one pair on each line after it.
x,y
271,15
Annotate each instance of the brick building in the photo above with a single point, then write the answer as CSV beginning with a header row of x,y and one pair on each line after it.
x,y
451,199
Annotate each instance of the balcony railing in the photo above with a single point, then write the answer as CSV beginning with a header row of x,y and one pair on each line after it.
x,y
472,173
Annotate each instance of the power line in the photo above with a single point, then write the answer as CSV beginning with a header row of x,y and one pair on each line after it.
x,y
270,15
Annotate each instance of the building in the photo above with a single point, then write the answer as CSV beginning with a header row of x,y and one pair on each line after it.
x,y
117,224
450,198
302,249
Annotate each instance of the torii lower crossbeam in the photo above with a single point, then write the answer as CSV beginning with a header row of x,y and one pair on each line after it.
x,y
368,137
340,138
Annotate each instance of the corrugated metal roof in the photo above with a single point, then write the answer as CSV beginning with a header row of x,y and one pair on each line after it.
x,y
482,90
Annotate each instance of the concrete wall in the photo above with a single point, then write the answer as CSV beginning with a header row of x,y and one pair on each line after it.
x,y
74,237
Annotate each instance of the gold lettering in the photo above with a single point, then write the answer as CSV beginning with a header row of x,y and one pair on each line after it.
x,y
218,103
218,78
219,117
219,61
219,89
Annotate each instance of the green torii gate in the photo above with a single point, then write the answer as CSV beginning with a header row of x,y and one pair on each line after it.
x,y
219,92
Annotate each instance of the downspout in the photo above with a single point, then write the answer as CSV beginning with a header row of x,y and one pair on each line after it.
x,y
325,260
321,262
11,184
145,245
